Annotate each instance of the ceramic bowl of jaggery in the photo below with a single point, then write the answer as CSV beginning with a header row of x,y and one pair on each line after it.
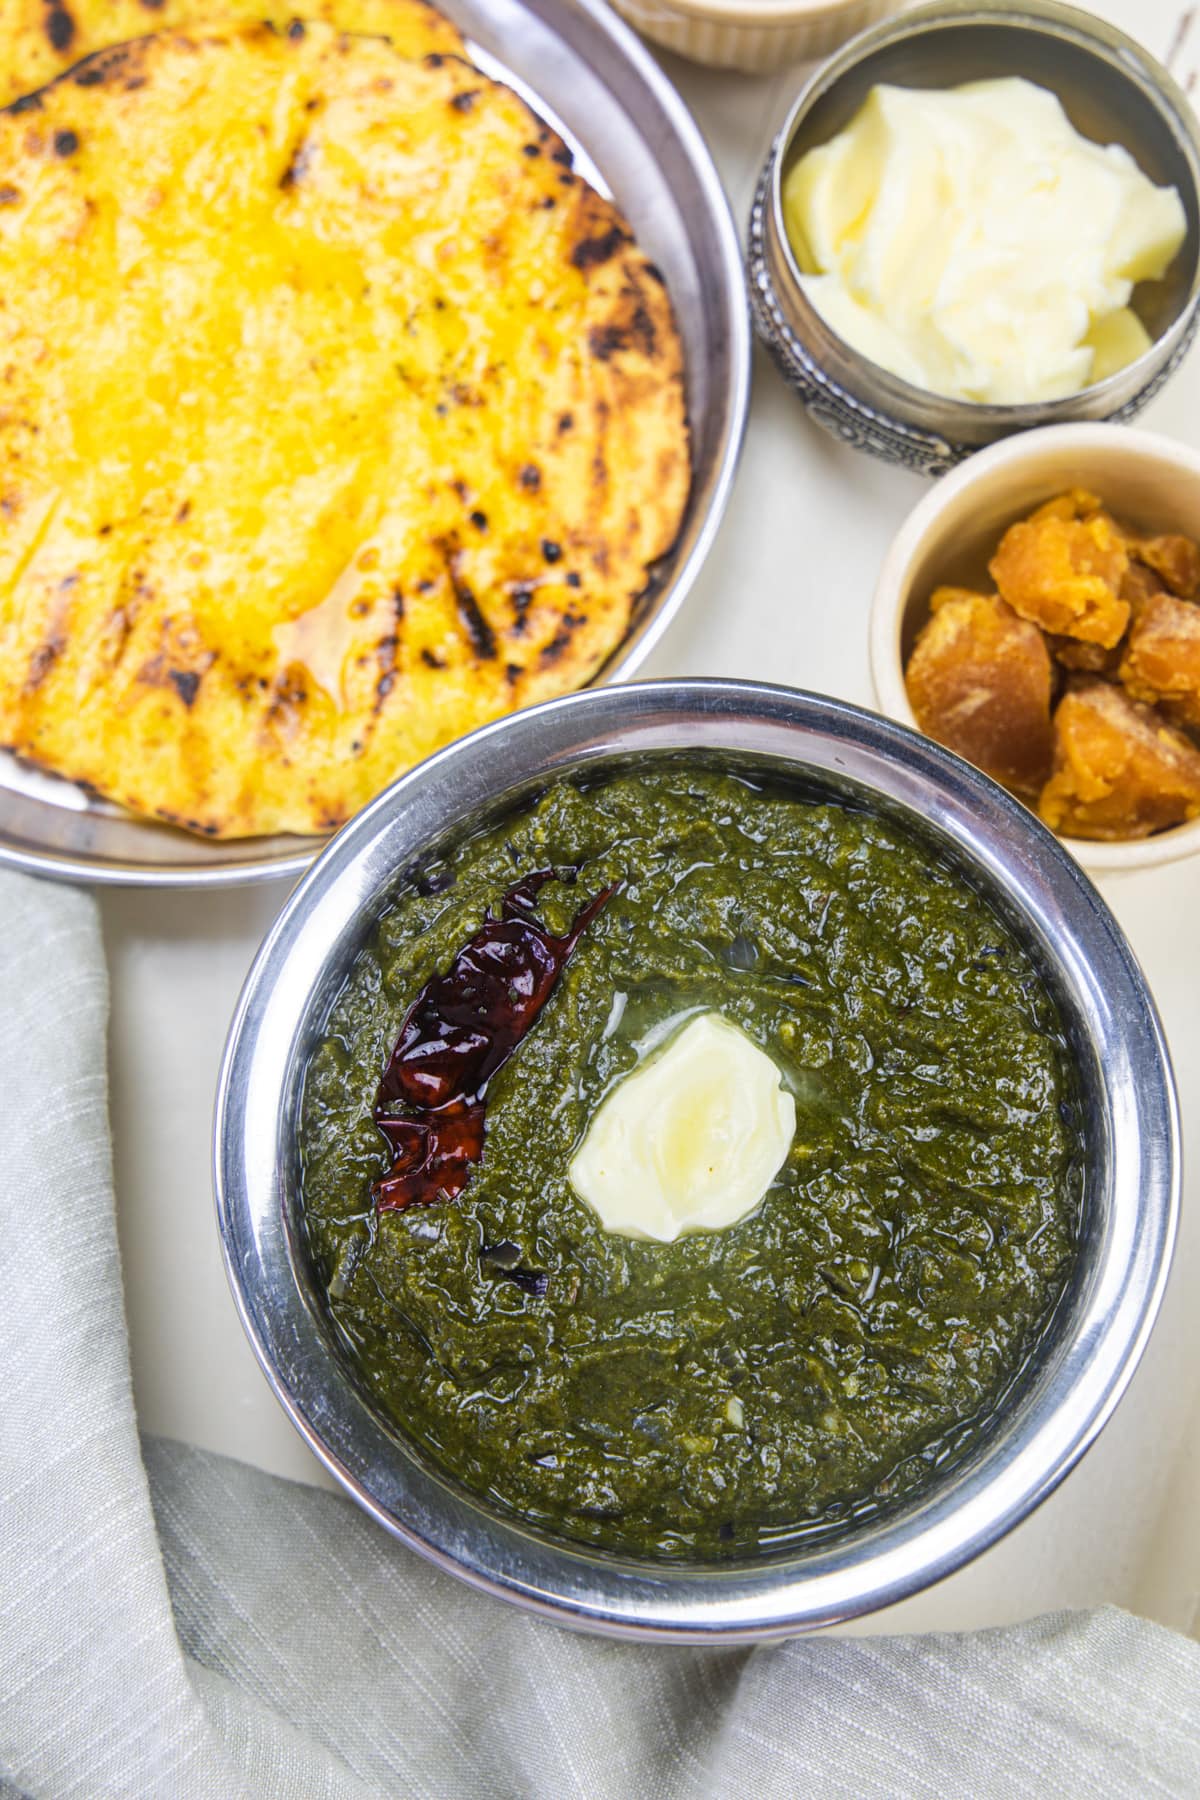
x,y
1039,614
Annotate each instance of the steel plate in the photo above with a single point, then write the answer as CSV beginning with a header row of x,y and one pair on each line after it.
x,y
589,77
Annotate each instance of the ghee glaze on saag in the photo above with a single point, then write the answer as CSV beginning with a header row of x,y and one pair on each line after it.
x,y
749,1385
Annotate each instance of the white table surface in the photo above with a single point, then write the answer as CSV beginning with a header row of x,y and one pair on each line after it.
x,y
784,595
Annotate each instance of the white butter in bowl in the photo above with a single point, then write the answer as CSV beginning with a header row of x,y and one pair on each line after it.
x,y
972,242
690,1140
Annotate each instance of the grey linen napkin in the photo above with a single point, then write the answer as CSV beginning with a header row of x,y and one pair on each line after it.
x,y
176,1624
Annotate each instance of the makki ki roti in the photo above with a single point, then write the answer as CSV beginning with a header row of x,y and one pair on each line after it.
x,y
39,39
337,416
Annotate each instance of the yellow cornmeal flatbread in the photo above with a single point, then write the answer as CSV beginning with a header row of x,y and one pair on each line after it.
x,y
337,416
39,39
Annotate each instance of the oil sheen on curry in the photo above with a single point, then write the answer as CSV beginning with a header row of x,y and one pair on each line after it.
x,y
691,1166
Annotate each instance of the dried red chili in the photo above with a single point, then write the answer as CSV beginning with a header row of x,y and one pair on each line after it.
x,y
462,1027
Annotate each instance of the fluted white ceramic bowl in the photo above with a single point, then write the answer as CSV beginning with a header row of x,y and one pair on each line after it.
x,y
754,37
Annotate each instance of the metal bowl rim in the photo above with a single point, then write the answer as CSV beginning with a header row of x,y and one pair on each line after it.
x,y
561,1581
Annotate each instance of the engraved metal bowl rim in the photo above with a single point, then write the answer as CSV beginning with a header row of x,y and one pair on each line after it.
x,y
1123,1257
882,403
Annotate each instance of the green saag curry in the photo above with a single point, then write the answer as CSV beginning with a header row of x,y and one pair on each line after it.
x,y
743,1387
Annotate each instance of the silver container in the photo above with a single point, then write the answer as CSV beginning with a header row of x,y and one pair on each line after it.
x,y
583,71
1113,91
1131,1129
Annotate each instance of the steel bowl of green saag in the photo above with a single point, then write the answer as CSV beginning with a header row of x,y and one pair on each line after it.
x,y
701,1156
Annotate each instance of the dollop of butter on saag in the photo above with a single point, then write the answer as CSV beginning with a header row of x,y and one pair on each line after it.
x,y
691,1140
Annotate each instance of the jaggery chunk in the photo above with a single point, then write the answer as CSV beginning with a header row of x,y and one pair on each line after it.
x,y
1119,771
1175,558
1065,575
1162,658
1138,585
1076,503
979,682
1085,659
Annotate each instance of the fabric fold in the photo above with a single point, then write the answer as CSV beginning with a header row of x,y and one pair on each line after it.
x,y
96,1698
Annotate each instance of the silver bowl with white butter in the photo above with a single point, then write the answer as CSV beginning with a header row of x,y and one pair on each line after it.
x,y
1113,92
